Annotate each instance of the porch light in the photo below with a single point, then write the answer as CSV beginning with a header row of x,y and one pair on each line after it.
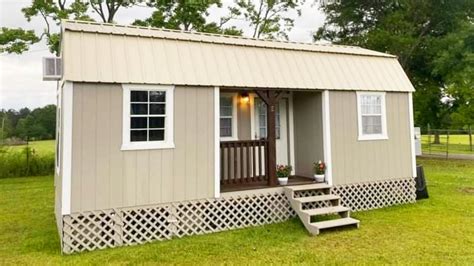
x,y
244,98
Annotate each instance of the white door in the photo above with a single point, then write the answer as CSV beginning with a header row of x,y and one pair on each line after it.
x,y
260,128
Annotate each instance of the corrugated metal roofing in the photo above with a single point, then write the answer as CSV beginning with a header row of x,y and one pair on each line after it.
x,y
121,54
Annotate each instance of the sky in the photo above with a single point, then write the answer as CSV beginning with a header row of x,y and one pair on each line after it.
x,y
21,83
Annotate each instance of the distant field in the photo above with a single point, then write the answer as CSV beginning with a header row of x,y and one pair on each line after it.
x,y
457,144
41,147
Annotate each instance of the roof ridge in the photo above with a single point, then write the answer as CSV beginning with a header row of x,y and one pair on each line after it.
x,y
356,49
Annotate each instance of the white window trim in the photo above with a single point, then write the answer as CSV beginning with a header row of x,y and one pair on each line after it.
x,y
384,135
168,143
234,117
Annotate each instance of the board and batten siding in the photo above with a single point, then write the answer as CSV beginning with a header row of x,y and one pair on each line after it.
x,y
355,161
308,131
105,177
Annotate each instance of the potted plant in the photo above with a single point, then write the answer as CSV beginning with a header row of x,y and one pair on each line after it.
x,y
283,171
319,170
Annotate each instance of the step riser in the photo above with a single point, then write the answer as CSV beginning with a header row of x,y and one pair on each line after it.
x,y
320,203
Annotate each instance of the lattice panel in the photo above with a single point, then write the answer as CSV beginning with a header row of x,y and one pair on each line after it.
x,y
146,224
128,226
89,231
378,194
206,216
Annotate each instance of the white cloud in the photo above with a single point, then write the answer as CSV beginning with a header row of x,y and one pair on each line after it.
x,y
21,83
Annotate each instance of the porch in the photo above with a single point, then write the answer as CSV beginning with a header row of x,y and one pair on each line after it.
x,y
260,129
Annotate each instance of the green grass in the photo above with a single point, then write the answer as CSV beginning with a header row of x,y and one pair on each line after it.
x,y
41,146
439,230
458,144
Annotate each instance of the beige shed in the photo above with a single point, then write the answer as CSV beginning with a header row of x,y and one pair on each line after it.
x,y
166,133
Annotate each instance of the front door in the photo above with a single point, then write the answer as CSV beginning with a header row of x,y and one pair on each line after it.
x,y
260,128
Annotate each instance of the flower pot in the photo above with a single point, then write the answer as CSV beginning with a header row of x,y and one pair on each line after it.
x,y
319,178
283,180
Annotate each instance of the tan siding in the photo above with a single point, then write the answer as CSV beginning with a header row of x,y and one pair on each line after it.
x,y
359,161
308,131
103,176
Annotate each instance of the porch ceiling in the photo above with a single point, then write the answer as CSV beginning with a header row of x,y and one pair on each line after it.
x,y
115,54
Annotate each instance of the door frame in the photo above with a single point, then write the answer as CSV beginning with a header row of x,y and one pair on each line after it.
x,y
290,126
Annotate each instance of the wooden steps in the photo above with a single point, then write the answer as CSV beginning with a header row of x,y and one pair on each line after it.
x,y
321,202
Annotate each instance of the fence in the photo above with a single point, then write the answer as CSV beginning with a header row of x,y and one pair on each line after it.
x,y
449,143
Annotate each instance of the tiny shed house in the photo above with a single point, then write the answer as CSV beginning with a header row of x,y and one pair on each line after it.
x,y
165,134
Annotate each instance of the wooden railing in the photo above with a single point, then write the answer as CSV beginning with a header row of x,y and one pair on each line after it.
x,y
243,161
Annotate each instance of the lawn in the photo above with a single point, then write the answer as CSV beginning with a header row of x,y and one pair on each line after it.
x,y
439,230
458,144
41,146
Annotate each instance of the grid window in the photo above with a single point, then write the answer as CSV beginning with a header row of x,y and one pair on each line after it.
x,y
226,116
372,123
147,115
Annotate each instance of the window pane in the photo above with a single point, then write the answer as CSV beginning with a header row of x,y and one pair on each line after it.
x,y
138,135
139,109
139,96
157,135
226,127
157,122
157,109
157,96
138,122
226,106
372,124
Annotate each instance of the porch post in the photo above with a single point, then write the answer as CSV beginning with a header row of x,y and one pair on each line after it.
x,y
271,98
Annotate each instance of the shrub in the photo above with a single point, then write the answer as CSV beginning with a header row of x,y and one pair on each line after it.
x,y
25,163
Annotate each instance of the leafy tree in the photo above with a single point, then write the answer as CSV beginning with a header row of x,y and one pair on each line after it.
x,y
52,12
16,40
456,63
269,19
186,15
412,30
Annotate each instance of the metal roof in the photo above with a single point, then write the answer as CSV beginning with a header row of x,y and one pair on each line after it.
x,y
110,53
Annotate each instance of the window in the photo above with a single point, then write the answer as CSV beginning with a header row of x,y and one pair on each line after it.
x,y
148,117
228,122
371,116
262,119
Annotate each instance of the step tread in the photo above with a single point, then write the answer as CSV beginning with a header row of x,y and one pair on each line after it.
x,y
326,210
317,198
335,223
309,187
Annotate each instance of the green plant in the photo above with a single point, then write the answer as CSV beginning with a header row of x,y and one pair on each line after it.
x,y
283,170
319,168
25,162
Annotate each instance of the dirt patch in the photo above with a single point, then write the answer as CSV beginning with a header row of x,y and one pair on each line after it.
x,y
467,190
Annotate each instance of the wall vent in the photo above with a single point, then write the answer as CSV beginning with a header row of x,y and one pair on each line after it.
x,y
52,68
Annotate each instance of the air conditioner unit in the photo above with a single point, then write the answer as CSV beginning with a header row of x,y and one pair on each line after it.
x,y
52,68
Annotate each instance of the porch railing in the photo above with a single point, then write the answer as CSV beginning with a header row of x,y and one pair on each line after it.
x,y
243,162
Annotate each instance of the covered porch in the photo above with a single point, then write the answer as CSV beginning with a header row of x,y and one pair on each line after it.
x,y
260,129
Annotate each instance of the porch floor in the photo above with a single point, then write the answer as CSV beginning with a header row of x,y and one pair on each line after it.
x,y
292,180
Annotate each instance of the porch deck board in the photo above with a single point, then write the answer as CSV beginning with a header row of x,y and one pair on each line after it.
x,y
292,181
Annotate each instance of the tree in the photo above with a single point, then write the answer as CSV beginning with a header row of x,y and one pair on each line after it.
x,y
186,15
413,31
456,63
269,19
16,40
52,12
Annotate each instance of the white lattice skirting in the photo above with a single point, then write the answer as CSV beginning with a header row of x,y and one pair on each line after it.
x,y
129,226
